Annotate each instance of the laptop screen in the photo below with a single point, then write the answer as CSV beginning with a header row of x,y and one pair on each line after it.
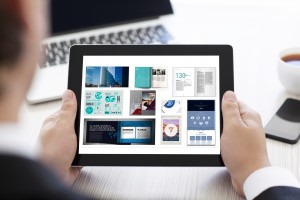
x,y
73,15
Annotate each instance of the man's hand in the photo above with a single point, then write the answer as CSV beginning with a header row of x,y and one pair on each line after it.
x,y
243,143
58,139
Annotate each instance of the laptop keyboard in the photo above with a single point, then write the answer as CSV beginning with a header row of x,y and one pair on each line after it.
x,y
57,53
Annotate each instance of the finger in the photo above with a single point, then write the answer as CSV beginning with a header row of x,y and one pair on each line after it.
x,y
230,109
69,107
76,168
73,174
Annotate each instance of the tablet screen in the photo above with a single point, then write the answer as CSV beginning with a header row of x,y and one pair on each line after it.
x,y
150,105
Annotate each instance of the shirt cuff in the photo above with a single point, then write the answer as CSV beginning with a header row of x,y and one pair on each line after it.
x,y
268,177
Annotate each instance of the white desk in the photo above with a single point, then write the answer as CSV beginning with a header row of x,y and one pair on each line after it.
x,y
257,31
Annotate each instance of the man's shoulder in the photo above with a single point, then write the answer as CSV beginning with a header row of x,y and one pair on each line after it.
x,y
23,178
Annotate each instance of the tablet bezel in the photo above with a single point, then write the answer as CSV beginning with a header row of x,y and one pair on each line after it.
x,y
77,52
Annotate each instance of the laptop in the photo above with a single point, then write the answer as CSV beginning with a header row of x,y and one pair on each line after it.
x,y
95,22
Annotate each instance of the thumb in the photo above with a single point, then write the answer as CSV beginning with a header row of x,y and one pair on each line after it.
x,y
69,107
249,116
230,108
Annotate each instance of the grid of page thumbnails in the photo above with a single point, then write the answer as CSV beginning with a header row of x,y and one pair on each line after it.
x,y
164,107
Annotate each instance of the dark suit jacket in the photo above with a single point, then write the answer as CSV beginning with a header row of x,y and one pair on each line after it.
x,y
280,193
21,178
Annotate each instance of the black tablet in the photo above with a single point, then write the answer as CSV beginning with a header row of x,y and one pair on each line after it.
x,y
149,105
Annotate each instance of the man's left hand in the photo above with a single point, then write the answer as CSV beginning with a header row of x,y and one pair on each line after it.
x,y
58,139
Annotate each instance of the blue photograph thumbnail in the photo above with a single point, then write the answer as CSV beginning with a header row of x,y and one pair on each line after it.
x,y
107,76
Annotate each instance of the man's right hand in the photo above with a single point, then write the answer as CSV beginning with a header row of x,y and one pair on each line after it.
x,y
243,143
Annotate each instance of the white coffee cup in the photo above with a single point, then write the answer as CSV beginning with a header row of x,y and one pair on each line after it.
x,y
289,69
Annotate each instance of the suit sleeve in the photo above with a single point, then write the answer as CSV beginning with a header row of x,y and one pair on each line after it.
x,y
22,178
269,182
280,193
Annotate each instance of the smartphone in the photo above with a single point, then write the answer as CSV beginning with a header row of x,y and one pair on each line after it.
x,y
285,124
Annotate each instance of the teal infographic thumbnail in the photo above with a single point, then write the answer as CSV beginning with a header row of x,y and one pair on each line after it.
x,y
104,102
